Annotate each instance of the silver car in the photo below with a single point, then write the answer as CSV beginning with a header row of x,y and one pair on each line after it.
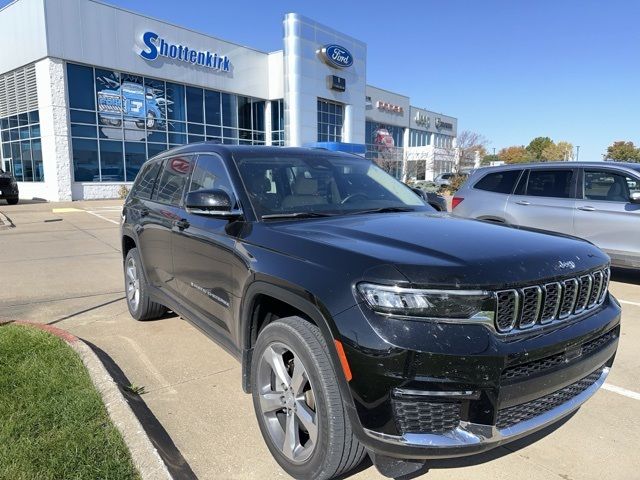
x,y
598,201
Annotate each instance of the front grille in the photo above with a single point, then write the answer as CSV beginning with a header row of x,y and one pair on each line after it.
x,y
507,417
5,181
417,416
522,308
544,364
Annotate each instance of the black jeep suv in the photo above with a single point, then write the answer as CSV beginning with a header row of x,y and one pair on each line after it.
x,y
366,322
8,188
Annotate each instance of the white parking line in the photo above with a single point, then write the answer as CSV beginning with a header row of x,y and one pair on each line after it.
x,y
100,216
626,302
622,391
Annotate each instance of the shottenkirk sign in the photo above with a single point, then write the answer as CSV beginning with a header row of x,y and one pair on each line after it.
x,y
155,46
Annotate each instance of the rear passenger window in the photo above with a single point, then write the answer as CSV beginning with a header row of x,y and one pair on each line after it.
x,y
550,183
499,182
146,180
173,180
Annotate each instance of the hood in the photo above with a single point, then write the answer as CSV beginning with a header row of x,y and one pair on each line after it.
x,y
439,250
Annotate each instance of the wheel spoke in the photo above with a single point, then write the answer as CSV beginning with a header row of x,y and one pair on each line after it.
x,y
131,292
276,362
308,419
271,402
299,377
291,437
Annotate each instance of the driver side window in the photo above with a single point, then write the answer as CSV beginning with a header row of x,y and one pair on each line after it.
x,y
210,173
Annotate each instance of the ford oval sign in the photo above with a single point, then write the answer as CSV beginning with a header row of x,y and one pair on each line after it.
x,y
337,56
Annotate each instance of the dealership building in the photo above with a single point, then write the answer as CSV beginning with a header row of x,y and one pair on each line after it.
x,y
89,91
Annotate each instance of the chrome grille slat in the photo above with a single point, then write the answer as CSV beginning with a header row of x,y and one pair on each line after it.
x,y
569,295
519,309
531,301
552,296
508,305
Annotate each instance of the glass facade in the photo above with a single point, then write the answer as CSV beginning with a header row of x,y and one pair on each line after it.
x,y
118,120
384,146
277,123
21,146
330,121
443,141
419,138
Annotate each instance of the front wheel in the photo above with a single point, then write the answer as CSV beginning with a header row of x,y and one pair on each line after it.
x,y
298,403
12,201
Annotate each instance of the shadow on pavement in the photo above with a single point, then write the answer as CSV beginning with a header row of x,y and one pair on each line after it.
x,y
175,462
625,275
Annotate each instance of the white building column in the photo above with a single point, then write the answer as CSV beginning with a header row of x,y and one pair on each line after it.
x,y
54,128
268,127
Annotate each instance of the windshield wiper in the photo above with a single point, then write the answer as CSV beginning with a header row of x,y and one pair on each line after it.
x,y
384,210
297,215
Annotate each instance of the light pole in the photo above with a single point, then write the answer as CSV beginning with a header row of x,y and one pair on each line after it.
x,y
577,152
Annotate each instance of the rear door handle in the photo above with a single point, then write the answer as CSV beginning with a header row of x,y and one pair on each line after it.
x,y
182,223
523,202
587,208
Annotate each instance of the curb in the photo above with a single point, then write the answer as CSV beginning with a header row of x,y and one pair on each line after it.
x,y
144,455
5,223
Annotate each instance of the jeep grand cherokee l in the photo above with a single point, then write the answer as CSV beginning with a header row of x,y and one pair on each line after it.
x,y
366,322
8,188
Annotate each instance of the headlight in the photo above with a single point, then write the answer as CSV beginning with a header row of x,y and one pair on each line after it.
x,y
445,304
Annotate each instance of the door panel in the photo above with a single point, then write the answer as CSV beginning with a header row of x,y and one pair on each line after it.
x,y
605,216
162,212
204,252
547,202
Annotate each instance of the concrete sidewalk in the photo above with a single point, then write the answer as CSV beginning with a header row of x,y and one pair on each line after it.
x,y
64,267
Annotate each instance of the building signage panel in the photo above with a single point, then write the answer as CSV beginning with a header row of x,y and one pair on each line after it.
x,y
422,119
389,107
337,83
445,125
155,46
336,56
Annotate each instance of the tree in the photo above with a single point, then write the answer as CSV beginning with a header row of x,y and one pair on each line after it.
x,y
623,152
561,151
514,154
537,146
468,144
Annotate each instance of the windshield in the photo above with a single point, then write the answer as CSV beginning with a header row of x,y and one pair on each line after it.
x,y
321,184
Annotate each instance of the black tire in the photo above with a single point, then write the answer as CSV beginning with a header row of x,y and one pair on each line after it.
x,y
12,201
144,308
336,450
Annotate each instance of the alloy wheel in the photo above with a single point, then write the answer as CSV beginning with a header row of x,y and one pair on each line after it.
x,y
133,284
287,402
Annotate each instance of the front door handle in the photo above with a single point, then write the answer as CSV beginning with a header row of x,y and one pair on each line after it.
x,y
587,208
182,223
523,202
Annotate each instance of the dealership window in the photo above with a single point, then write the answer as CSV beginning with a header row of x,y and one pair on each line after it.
x,y
277,123
21,147
118,120
330,121
418,138
384,146
443,141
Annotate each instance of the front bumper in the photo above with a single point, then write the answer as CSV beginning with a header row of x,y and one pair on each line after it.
x,y
470,365
470,438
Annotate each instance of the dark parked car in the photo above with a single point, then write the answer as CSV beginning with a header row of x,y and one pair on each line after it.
x,y
438,202
8,188
365,322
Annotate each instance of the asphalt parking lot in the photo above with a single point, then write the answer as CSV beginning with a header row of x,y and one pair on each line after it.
x,y
61,264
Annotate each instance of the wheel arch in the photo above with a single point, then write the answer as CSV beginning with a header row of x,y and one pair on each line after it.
x,y
305,303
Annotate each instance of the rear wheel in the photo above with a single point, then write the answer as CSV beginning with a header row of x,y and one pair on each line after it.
x,y
298,403
141,307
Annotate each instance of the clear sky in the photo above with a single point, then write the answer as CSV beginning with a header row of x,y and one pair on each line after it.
x,y
510,70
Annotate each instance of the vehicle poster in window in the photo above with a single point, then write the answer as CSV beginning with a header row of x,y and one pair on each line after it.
x,y
126,107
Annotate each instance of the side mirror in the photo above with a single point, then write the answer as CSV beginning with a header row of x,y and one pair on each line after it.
x,y
634,197
215,203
